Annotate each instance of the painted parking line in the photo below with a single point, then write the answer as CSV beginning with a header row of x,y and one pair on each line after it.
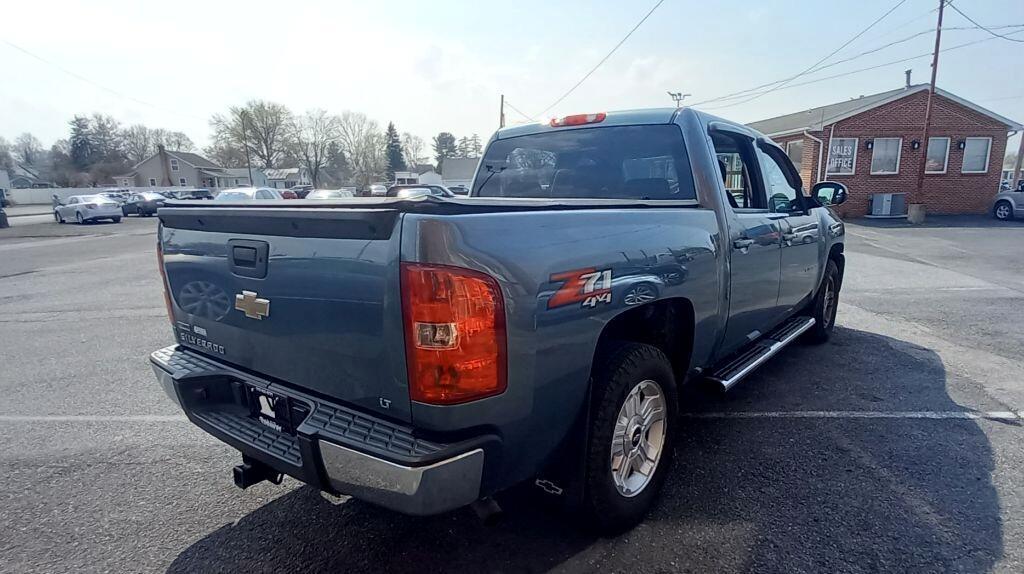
x,y
970,415
92,418
963,415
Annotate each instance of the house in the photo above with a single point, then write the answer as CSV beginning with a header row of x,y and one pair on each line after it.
x,y
239,177
459,171
419,174
284,178
175,168
24,176
873,145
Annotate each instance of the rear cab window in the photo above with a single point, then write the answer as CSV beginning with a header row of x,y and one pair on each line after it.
x,y
642,162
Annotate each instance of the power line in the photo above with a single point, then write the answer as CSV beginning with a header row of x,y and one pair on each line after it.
x,y
516,110
783,83
748,91
605,59
81,78
973,21
875,67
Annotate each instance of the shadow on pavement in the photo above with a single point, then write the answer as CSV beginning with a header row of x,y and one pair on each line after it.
x,y
745,494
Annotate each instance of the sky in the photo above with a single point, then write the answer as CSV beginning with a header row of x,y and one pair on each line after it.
x,y
443,65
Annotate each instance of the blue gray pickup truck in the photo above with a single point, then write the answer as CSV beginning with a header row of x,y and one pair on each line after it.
x,y
426,354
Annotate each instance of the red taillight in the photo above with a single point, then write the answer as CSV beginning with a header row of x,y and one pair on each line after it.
x,y
578,120
163,280
454,334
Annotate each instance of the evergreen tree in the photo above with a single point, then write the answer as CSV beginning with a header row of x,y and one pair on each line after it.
x,y
444,147
475,149
463,147
81,144
393,151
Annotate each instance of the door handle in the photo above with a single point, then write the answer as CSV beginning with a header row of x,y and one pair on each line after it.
x,y
742,243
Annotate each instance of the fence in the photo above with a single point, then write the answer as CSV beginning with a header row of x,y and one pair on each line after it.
x,y
44,196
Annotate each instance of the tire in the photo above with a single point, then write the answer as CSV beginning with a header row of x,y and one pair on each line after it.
x,y
57,217
115,219
124,211
78,218
824,306
640,372
138,211
1003,211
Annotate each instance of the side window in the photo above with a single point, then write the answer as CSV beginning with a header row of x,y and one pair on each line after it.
x,y
781,194
737,163
73,201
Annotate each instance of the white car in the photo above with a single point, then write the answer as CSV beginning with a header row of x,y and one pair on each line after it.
x,y
330,194
248,194
378,190
87,208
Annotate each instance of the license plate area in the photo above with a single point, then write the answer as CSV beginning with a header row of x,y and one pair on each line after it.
x,y
272,410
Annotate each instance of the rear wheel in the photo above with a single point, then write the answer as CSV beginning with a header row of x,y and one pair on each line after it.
x,y
630,445
1003,210
115,219
79,218
825,305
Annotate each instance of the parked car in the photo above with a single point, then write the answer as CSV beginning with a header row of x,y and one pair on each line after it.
x,y
143,203
3,198
1009,204
378,190
435,190
86,209
538,331
248,194
459,190
330,194
301,191
118,195
288,194
189,194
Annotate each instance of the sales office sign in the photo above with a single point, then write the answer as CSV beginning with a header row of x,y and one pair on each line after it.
x,y
842,155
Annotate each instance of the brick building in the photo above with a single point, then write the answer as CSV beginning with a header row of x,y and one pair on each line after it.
x,y
876,147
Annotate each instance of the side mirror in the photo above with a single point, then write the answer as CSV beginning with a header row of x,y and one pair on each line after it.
x,y
829,192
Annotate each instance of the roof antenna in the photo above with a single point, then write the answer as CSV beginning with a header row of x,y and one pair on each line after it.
x,y
907,72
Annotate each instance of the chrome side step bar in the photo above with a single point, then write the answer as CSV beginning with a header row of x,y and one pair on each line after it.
x,y
765,348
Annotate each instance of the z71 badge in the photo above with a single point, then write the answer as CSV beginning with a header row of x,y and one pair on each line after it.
x,y
589,287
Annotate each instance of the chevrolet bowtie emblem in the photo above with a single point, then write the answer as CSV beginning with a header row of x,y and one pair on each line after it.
x,y
252,306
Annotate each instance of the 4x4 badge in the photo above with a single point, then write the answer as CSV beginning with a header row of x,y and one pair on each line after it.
x,y
253,306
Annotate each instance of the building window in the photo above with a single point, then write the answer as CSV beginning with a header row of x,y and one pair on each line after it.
x,y
885,156
236,182
976,152
174,164
152,182
795,151
182,182
938,155
842,156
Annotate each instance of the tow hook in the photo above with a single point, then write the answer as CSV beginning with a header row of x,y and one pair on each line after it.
x,y
252,472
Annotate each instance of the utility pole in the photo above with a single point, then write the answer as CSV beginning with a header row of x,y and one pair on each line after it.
x,y
917,197
1016,168
501,114
245,143
678,98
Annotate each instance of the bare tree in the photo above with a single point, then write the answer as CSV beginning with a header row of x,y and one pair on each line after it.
x,y
363,145
266,130
6,159
28,149
312,135
412,149
138,143
178,141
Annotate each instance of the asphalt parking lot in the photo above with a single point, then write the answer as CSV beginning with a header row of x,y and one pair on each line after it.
x,y
897,446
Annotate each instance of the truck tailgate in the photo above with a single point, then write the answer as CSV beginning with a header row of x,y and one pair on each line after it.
x,y
309,297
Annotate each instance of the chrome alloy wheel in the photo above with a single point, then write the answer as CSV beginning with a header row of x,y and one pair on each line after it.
x,y
639,438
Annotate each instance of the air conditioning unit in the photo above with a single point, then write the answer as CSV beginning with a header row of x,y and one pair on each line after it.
x,y
888,205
